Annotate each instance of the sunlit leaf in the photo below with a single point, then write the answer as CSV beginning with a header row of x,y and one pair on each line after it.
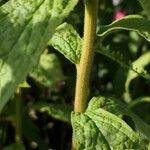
x,y
139,66
67,41
98,128
131,22
26,26
24,85
139,101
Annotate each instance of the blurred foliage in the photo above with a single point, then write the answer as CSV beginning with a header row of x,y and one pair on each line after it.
x,y
53,82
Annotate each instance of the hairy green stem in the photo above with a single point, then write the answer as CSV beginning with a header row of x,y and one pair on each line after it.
x,y
85,65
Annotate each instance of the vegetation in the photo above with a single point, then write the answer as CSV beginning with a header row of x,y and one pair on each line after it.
x,y
74,75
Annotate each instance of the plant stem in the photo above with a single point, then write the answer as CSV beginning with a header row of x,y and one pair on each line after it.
x,y
18,116
85,65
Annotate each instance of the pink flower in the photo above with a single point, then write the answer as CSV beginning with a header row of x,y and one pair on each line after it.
x,y
119,14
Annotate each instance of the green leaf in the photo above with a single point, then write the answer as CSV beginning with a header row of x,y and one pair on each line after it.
x,y
146,5
118,108
120,59
48,71
58,111
139,101
15,147
131,22
67,41
24,84
97,128
26,26
139,66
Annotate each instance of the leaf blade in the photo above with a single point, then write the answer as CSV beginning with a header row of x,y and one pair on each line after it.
x,y
114,133
130,22
67,41
58,111
25,28
138,65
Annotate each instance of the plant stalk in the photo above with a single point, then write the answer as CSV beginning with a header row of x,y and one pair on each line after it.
x,y
18,108
85,65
